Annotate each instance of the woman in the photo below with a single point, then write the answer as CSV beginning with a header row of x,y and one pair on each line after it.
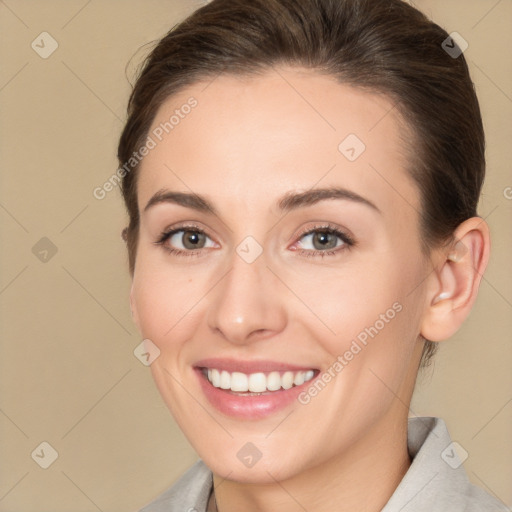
x,y
301,180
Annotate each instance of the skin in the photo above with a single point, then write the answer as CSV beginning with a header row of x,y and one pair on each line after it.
x,y
248,142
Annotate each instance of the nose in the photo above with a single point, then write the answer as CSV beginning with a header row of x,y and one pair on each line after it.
x,y
246,304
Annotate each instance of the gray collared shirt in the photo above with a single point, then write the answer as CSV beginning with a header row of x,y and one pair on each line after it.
x,y
435,482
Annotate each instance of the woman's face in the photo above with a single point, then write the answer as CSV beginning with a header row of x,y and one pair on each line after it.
x,y
295,255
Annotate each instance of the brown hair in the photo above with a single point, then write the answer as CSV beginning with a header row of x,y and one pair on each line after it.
x,y
384,46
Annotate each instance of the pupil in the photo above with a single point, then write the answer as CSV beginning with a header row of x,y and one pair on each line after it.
x,y
323,239
192,239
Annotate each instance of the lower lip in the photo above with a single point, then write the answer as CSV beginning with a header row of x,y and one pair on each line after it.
x,y
249,407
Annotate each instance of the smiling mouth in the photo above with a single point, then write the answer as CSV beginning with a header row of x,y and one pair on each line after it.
x,y
255,384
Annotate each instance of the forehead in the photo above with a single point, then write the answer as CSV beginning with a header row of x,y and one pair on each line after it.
x,y
248,139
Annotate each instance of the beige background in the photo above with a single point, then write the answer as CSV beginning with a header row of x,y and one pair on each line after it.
x,y
68,375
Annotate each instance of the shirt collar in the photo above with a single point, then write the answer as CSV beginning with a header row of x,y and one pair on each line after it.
x,y
436,479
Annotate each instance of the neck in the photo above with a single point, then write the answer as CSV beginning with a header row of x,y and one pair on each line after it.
x,y
361,478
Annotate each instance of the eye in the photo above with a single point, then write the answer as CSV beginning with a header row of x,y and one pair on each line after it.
x,y
188,239
323,240
185,240
320,241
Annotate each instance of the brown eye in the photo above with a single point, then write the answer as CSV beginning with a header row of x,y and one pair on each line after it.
x,y
185,240
324,240
193,239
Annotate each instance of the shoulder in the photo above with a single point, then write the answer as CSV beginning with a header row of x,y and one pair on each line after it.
x,y
189,493
436,479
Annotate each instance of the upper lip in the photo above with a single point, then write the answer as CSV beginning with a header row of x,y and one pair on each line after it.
x,y
248,367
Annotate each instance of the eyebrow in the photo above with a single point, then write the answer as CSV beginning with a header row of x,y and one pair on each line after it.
x,y
290,200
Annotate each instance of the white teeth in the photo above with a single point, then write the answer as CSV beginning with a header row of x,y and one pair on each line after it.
x,y
273,381
239,382
257,382
299,378
225,380
287,380
215,377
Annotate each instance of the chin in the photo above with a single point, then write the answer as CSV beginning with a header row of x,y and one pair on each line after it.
x,y
247,465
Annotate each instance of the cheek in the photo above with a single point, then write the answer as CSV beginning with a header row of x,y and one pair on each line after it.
x,y
373,313
336,304
167,304
356,301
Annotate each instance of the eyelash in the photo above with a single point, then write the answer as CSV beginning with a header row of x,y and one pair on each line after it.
x,y
324,228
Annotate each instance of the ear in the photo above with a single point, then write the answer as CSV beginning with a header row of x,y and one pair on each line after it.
x,y
133,308
453,286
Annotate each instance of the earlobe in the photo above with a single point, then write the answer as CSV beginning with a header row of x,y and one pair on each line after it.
x,y
454,284
447,274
